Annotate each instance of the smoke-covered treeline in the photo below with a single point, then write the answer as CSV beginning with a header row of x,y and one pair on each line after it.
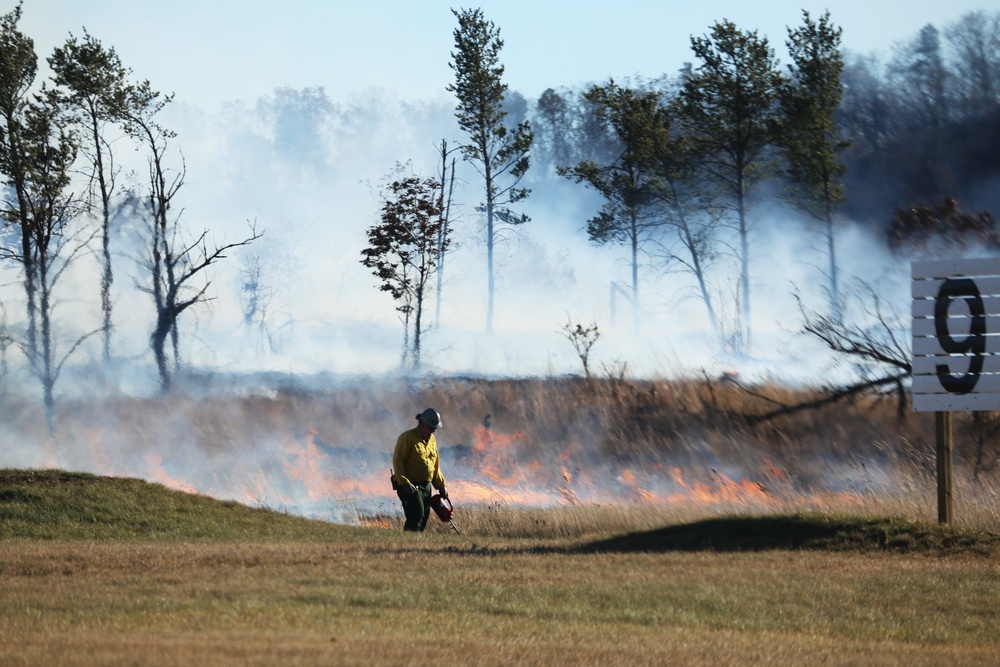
x,y
729,198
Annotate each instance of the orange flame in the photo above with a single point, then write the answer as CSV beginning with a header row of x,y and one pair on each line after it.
x,y
159,475
501,468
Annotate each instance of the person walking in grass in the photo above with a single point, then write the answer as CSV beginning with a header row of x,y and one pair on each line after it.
x,y
416,468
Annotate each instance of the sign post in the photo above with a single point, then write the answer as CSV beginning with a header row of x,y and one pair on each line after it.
x,y
956,350
942,423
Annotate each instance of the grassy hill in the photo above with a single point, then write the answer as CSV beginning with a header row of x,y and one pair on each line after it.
x,y
57,505
60,505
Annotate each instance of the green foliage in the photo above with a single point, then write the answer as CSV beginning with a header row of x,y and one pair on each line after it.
x,y
630,183
91,79
405,247
810,139
480,91
91,89
18,66
495,150
727,105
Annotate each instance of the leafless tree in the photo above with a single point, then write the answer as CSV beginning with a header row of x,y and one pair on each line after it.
x,y
873,343
176,261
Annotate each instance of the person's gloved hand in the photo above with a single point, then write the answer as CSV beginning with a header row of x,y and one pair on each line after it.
x,y
444,494
410,489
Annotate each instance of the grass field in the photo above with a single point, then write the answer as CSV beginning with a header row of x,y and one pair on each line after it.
x,y
112,571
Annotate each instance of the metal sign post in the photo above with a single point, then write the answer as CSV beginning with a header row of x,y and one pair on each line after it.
x,y
956,349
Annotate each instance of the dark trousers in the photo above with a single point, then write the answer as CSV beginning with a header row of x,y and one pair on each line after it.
x,y
416,506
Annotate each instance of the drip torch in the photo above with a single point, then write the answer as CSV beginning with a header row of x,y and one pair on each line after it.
x,y
444,509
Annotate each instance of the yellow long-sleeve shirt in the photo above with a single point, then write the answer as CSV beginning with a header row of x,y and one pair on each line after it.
x,y
415,460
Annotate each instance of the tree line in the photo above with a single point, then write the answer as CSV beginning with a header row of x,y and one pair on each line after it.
x,y
674,164
682,164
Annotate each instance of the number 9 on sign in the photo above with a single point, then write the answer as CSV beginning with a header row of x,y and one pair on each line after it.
x,y
973,344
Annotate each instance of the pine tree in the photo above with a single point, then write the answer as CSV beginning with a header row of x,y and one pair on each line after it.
x,y
811,142
496,150
728,107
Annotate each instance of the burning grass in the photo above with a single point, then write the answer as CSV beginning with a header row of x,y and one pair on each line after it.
x,y
627,450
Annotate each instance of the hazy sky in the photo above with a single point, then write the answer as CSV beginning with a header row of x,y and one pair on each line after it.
x,y
210,51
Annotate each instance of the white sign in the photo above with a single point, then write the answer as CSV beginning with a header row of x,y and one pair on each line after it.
x,y
956,335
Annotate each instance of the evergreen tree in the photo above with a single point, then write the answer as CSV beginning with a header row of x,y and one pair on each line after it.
x,y
629,183
92,82
496,151
18,67
727,104
811,143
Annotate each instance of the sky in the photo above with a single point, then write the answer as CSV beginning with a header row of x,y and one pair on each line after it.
x,y
211,51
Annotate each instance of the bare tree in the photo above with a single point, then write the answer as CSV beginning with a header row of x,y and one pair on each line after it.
x,y
256,294
922,80
874,344
175,260
974,42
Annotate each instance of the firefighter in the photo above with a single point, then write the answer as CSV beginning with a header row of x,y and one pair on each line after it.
x,y
416,468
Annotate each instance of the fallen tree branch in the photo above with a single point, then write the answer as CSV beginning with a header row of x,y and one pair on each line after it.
x,y
833,396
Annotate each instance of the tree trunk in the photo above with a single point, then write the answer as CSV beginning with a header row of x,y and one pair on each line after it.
x,y
700,276
490,286
158,342
107,277
635,271
744,261
46,369
444,234
835,313
417,323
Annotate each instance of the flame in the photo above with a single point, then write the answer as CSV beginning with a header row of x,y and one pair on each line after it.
x,y
303,462
376,521
159,475
306,476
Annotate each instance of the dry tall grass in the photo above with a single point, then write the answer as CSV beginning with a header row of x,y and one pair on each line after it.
x,y
552,441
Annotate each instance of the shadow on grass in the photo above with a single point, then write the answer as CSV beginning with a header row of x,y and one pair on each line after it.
x,y
801,532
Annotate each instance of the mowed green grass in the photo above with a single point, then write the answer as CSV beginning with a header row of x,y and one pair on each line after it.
x,y
109,571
